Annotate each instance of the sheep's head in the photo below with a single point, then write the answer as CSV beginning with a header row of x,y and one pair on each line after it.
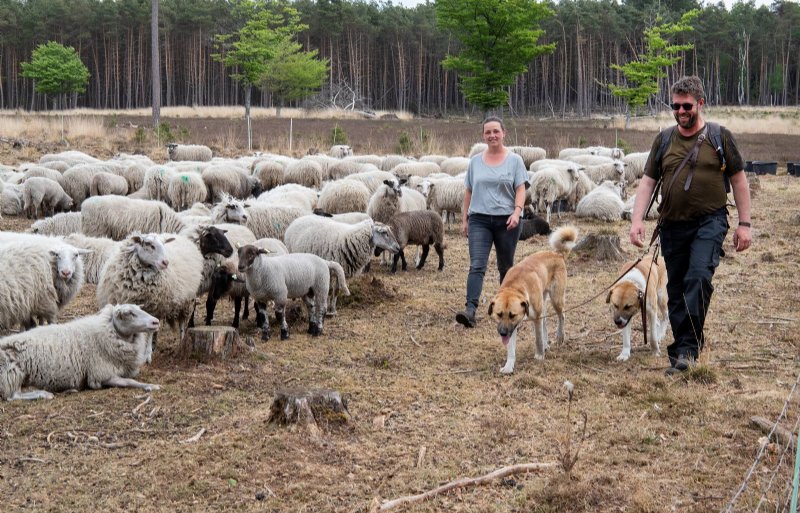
x,y
255,186
248,254
619,167
65,260
150,250
617,153
129,319
383,238
231,210
393,187
213,240
425,187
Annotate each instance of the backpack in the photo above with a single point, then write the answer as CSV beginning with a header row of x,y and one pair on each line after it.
x,y
714,136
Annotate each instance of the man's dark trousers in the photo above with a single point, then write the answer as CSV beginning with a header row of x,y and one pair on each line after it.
x,y
691,251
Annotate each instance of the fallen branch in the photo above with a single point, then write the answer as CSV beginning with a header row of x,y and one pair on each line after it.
x,y
781,434
195,437
468,481
139,407
30,460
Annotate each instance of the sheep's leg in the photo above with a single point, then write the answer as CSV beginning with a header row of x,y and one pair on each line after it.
x,y
439,251
332,296
261,314
31,395
237,306
246,312
308,299
398,256
117,381
549,208
321,309
280,315
211,304
423,256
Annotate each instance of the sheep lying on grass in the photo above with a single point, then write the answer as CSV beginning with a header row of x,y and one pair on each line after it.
x,y
285,277
102,350
604,203
60,224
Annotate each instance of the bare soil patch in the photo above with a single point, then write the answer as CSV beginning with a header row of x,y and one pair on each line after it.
x,y
414,378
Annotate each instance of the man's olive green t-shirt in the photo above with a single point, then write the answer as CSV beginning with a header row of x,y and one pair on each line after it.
x,y
706,193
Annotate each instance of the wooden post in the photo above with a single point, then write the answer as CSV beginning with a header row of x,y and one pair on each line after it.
x,y
313,409
210,342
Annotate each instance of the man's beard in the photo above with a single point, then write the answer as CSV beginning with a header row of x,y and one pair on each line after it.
x,y
688,123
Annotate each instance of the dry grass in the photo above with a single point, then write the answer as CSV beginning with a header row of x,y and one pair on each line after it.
x,y
653,443
740,120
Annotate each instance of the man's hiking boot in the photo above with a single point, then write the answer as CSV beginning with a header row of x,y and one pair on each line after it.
x,y
466,318
682,364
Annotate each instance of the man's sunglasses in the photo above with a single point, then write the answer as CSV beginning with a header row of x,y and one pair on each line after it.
x,y
686,106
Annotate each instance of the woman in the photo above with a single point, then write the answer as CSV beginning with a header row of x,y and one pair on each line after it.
x,y
493,204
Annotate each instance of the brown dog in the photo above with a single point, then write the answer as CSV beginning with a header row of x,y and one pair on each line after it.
x,y
625,300
524,292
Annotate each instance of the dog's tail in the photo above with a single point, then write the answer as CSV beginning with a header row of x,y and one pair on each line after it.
x,y
564,239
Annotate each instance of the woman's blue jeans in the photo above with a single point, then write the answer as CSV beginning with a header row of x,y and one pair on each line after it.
x,y
483,232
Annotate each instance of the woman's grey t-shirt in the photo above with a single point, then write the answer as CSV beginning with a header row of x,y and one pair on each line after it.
x,y
494,187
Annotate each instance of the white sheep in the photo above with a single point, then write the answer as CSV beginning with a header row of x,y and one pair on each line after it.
x,y
590,160
529,154
133,172
349,167
341,196
156,183
406,169
552,184
628,210
270,173
614,153
391,198
541,164
10,199
454,165
351,245
436,159
59,224
160,273
193,152
390,161
52,275
340,151
118,216
100,248
372,179
72,157
106,349
375,160
108,184
45,195
613,171
604,203
270,221
229,210
582,188
284,277
477,148
571,152
78,181
185,189
42,171
634,165
307,172
446,197
231,179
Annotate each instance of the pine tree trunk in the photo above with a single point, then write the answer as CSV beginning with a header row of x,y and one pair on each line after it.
x,y
155,63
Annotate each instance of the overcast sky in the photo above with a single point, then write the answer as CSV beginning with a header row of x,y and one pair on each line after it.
x,y
728,3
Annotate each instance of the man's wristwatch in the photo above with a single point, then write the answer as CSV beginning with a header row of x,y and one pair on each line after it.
x,y
744,223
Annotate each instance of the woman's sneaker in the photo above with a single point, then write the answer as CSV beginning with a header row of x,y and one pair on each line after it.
x,y
466,318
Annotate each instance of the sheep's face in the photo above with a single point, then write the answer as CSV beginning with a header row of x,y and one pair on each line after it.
x,y
619,167
425,187
130,319
65,203
247,255
393,188
213,240
383,238
234,210
65,261
151,251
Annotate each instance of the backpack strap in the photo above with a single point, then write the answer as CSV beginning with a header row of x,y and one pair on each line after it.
x,y
715,137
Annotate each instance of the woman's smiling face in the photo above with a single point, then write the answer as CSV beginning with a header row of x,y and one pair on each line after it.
x,y
493,133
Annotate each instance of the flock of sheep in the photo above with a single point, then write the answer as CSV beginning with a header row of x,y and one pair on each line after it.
x,y
266,227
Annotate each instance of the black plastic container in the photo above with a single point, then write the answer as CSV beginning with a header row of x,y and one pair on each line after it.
x,y
765,167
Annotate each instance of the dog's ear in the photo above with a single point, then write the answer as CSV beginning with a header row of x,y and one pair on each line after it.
x,y
608,297
524,306
491,307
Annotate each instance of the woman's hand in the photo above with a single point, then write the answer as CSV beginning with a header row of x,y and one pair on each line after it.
x,y
465,226
513,221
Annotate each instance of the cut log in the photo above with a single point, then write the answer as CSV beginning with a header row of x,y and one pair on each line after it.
x,y
602,246
309,408
780,435
210,342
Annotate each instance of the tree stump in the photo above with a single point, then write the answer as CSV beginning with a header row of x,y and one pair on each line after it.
x,y
754,183
313,409
602,246
210,342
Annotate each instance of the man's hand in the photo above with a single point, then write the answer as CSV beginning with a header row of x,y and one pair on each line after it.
x,y
637,234
742,238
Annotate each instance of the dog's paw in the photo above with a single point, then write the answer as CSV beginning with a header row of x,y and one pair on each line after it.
x,y
623,357
151,387
508,369
539,356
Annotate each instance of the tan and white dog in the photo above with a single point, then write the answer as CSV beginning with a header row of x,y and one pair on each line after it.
x,y
524,293
625,300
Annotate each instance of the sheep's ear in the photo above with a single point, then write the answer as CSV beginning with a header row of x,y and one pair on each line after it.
x,y
246,205
169,240
82,251
53,253
388,182
608,297
403,181
491,308
136,238
262,251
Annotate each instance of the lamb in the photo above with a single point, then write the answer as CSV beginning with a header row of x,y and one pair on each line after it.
x,y
290,276
230,179
340,151
269,221
51,277
59,224
156,183
269,173
529,154
106,349
103,184
582,188
160,273
193,152
343,196
614,171
603,203
391,198
185,189
78,181
532,225
118,216
351,245
421,227
306,172
552,184
45,195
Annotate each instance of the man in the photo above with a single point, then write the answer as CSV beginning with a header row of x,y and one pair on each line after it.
x,y
693,215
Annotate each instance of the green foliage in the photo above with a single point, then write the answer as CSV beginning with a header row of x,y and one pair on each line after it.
x,y
164,133
404,145
498,41
624,146
140,136
338,135
643,74
292,74
582,142
57,69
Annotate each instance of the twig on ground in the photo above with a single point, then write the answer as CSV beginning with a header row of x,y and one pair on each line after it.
x,y
464,482
195,437
30,460
139,407
414,341
461,371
